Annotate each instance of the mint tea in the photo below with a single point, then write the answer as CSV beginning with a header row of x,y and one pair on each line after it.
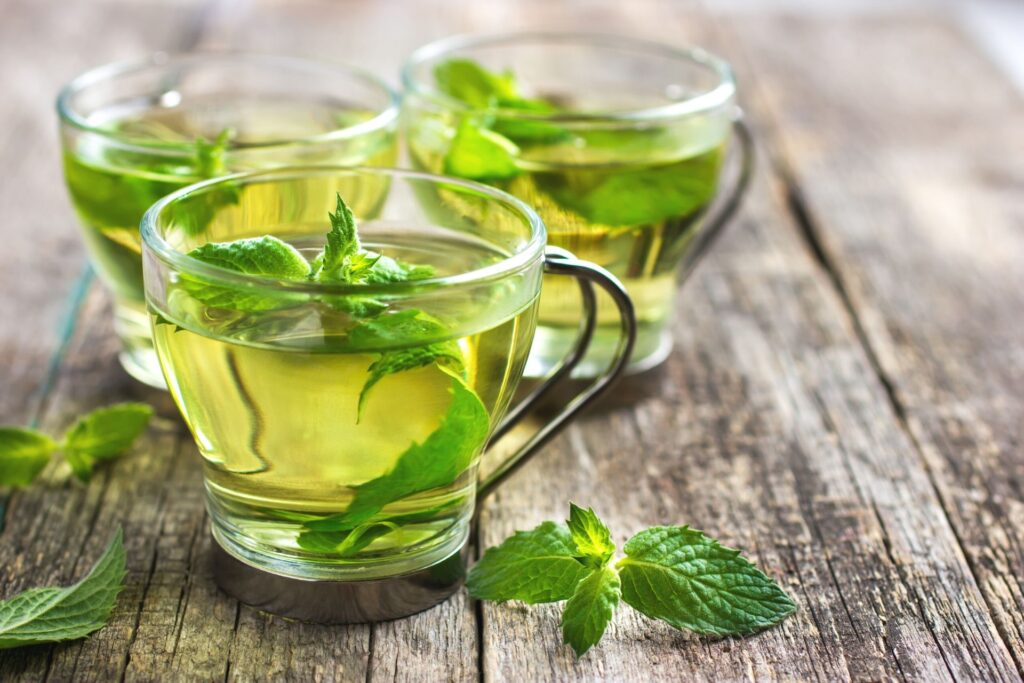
x,y
601,140
135,133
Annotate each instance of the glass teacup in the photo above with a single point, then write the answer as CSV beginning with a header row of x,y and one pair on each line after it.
x,y
341,472
618,144
133,132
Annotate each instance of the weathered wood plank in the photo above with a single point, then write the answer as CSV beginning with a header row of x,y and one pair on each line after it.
x,y
908,161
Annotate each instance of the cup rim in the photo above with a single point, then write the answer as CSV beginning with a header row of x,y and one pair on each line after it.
x,y
719,95
531,252
70,116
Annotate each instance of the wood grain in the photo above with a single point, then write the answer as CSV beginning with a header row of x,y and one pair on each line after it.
x,y
839,406
908,173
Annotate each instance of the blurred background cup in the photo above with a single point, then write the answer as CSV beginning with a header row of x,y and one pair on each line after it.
x,y
620,145
133,132
341,425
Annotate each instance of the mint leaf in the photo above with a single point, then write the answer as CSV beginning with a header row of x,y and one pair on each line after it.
x,y
480,154
469,82
591,536
446,354
438,461
533,566
590,609
267,256
408,326
346,542
103,434
386,269
640,196
23,455
683,577
49,615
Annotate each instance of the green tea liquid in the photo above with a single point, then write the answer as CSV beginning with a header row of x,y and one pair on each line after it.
x,y
275,410
631,202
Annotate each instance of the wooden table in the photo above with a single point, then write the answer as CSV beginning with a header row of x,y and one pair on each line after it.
x,y
844,401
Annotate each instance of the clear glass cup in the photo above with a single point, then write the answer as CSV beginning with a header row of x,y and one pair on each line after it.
x,y
619,144
133,132
315,468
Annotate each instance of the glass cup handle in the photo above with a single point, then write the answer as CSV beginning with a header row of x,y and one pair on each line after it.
x,y
560,262
727,209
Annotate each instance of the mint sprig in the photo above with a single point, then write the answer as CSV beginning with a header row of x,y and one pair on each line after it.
x,y
98,436
673,573
50,615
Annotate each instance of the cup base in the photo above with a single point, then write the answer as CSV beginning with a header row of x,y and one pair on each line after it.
x,y
339,602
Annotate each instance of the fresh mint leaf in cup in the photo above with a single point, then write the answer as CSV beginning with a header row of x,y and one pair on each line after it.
x,y
672,573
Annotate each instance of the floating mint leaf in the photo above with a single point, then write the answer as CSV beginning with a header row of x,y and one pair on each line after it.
x,y
405,327
469,82
267,256
23,455
103,434
533,566
438,461
591,536
681,576
49,615
480,154
590,609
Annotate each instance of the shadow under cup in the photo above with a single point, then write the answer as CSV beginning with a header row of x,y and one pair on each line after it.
x,y
341,425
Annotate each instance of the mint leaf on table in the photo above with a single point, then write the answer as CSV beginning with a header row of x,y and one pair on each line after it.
x,y
681,576
590,609
103,434
438,461
49,615
100,435
672,573
23,455
533,566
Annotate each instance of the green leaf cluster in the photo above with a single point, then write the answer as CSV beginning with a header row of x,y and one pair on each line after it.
x,y
50,615
342,260
99,436
487,144
673,573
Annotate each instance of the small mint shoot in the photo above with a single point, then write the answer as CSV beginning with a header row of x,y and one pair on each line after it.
x,y
672,573
592,538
